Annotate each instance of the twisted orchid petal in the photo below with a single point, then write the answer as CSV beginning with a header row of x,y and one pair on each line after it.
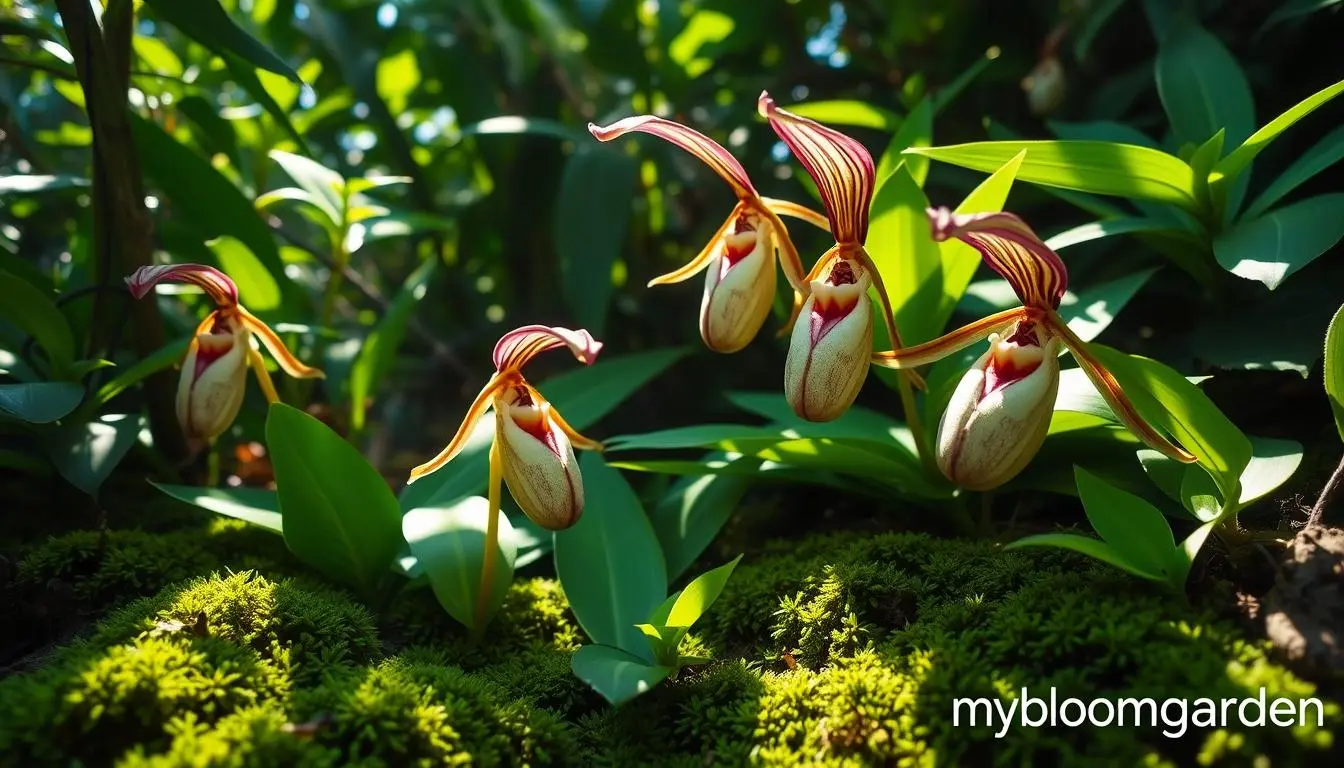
x,y
215,283
1012,249
841,167
515,348
709,151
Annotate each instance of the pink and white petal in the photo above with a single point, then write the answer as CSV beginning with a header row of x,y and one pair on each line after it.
x,y
841,167
709,152
215,283
1012,249
520,345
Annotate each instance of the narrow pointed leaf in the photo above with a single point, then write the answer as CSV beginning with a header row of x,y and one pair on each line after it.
x,y
257,506
1236,162
700,594
206,22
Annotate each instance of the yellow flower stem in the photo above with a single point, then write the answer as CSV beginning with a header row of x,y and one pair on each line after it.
x,y
491,539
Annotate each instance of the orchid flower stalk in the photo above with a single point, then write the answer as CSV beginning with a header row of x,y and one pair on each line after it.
x,y
740,257
1000,413
533,449
832,341
214,373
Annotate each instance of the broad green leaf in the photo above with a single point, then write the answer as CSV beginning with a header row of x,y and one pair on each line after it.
x,y
615,674
325,187
700,594
403,223
257,506
207,202
165,357
906,257
1100,167
1199,494
1166,473
449,546
591,216
1334,367
206,22
339,515
848,112
609,562
1202,87
1189,549
1167,400
695,508
915,131
583,395
1281,242
36,314
257,288
1323,154
1272,462
704,29
857,422
1136,529
380,346
1086,545
40,402
86,453
694,436
1236,162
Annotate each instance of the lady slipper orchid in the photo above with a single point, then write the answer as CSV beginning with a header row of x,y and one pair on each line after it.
x,y
832,341
533,449
740,281
214,373
1000,413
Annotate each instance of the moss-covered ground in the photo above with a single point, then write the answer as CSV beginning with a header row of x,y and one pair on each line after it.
x,y
211,646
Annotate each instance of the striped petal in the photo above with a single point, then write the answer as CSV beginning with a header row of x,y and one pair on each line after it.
x,y
215,283
1009,247
518,346
689,139
1110,391
841,167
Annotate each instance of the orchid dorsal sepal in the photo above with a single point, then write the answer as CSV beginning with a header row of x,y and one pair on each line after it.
x,y
217,285
841,167
1008,246
705,149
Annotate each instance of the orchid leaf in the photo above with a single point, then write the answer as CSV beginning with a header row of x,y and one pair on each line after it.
x,y
1271,248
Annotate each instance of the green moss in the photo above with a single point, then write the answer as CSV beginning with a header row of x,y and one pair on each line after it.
x,y
302,626
94,705
108,569
252,737
418,710
837,650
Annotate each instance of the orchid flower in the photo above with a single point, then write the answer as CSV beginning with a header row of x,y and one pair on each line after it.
x,y
740,282
831,345
534,446
214,373
999,414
